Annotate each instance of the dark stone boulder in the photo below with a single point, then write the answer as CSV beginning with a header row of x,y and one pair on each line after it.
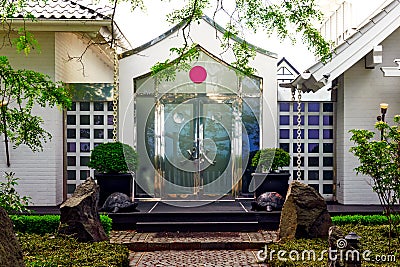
x,y
304,214
268,201
79,214
10,250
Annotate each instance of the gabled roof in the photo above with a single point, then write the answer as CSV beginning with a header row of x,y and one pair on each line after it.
x,y
63,9
181,25
284,60
354,48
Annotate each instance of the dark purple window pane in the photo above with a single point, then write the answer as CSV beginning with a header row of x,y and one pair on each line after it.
x,y
328,133
313,120
328,175
71,175
328,107
328,161
84,174
284,146
110,119
313,107
85,147
110,134
328,120
283,120
71,147
84,161
110,106
328,148
71,188
84,106
313,161
71,161
313,148
284,134
99,106
98,119
84,119
98,134
295,134
85,133
295,147
295,107
315,186
71,133
284,106
71,120
327,189
295,120
313,134
313,175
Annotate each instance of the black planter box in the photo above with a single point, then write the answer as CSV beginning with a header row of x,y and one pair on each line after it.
x,y
270,182
111,183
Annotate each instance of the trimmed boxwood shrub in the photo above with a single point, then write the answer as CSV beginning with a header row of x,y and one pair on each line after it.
x,y
51,251
44,224
361,219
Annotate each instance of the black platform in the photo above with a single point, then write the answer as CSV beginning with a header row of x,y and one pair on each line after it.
x,y
225,216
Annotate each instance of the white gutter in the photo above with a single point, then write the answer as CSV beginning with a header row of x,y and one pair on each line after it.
x,y
69,25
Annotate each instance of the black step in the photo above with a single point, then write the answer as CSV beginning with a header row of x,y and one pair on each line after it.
x,y
197,226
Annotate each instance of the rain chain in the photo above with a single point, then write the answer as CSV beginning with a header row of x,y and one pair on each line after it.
x,y
115,97
298,129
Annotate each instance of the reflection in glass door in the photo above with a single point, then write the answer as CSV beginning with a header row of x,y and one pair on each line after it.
x,y
196,147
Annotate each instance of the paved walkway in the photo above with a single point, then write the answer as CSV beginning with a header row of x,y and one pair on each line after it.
x,y
194,248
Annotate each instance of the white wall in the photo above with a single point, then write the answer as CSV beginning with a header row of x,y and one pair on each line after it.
x,y
95,68
364,90
41,172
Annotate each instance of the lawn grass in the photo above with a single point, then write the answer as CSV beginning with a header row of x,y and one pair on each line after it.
x,y
52,251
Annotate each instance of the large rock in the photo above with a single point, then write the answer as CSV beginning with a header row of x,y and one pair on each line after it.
x,y
304,214
10,250
79,214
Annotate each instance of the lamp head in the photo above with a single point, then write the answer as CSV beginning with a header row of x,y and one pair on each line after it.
x,y
384,107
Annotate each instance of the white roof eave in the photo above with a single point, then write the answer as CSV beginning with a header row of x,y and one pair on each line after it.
x,y
351,51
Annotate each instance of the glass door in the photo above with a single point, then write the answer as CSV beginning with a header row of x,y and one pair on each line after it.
x,y
196,147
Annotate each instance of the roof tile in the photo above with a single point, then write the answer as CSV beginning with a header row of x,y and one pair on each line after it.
x,y
64,9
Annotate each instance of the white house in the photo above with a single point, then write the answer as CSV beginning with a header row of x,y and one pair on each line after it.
x,y
196,133
362,74
64,29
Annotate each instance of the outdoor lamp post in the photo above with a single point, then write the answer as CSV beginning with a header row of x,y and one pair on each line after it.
x,y
384,107
352,260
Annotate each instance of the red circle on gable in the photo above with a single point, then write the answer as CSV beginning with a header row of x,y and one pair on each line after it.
x,y
198,74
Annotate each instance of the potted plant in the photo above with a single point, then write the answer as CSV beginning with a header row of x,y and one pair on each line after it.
x,y
268,176
114,164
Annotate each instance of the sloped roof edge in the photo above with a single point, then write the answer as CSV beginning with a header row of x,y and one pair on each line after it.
x,y
352,50
179,26
289,64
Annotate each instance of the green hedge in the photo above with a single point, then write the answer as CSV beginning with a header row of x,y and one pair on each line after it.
x,y
362,219
52,251
47,224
